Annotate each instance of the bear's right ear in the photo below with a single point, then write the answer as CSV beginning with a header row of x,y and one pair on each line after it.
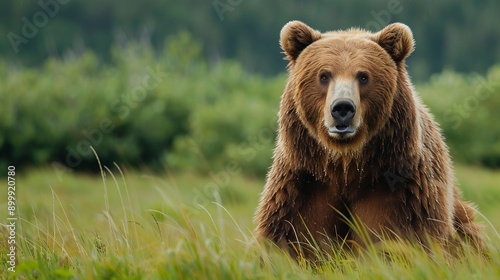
x,y
295,36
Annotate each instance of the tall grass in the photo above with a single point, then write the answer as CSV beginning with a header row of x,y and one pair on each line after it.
x,y
130,226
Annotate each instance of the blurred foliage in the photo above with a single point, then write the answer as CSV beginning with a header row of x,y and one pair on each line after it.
x,y
446,32
172,110
466,106
144,110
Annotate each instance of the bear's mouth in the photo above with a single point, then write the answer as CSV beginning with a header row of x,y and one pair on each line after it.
x,y
341,129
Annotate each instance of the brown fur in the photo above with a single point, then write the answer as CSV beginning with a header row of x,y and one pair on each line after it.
x,y
394,174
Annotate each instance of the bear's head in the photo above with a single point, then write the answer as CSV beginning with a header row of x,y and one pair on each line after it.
x,y
344,82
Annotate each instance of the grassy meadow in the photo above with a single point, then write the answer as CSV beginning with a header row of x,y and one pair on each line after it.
x,y
79,219
135,225
180,103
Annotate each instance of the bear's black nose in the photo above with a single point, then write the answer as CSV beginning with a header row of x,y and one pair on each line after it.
x,y
343,110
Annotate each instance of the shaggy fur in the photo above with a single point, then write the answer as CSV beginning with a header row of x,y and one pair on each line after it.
x,y
393,173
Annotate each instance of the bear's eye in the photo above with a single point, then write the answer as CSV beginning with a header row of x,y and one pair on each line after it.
x,y
362,78
324,78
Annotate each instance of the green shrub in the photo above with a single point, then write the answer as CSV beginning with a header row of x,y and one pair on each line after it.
x,y
143,110
170,109
232,122
466,106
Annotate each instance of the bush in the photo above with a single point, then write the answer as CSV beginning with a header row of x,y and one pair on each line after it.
x,y
466,106
143,110
232,122
172,110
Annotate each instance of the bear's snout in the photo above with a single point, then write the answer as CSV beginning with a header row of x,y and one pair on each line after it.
x,y
343,111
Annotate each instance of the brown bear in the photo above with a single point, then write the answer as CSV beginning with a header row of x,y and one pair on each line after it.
x,y
356,144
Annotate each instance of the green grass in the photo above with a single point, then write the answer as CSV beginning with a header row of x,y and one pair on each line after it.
x,y
131,225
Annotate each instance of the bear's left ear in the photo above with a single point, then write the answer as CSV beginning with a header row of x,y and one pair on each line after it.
x,y
295,36
397,40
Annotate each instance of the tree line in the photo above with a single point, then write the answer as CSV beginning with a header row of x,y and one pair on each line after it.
x,y
460,35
